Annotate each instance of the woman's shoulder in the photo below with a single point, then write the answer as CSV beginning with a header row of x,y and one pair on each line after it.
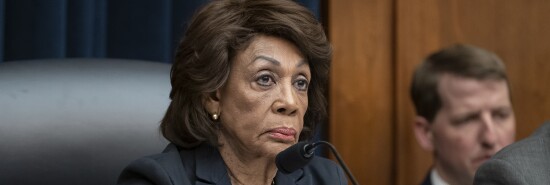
x,y
318,162
325,171
161,169
169,158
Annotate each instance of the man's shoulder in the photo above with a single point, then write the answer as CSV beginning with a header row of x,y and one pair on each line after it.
x,y
427,180
532,147
523,162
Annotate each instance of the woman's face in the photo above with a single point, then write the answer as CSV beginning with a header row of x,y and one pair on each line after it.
x,y
263,103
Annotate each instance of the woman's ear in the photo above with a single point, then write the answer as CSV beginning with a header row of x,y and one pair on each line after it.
x,y
211,102
424,133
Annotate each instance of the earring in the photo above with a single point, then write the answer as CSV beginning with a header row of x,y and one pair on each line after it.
x,y
215,116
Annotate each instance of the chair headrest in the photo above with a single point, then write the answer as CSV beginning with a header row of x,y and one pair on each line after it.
x,y
78,121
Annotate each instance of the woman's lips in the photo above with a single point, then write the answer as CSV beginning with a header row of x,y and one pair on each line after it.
x,y
282,134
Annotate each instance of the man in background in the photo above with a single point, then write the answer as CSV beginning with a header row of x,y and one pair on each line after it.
x,y
464,111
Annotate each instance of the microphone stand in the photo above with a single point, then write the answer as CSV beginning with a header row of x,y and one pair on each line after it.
x,y
342,164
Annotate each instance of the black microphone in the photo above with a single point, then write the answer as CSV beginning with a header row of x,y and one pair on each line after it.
x,y
299,155
294,157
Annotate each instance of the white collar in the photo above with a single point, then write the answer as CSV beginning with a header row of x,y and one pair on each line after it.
x,y
436,179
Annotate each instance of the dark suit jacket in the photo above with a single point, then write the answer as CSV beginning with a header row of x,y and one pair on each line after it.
x,y
524,162
427,179
204,165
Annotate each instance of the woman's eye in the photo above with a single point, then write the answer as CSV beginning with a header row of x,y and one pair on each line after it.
x,y
301,84
265,80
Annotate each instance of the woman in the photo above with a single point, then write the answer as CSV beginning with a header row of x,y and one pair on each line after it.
x,y
247,83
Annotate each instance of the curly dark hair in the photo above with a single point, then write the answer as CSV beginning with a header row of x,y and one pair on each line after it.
x,y
203,59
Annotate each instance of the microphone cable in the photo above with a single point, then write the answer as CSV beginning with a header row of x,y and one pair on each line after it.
x,y
337,155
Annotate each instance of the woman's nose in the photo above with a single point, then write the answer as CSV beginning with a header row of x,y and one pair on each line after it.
x,y
287,103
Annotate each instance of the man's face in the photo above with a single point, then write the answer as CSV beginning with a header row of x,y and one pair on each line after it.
x,y
475,121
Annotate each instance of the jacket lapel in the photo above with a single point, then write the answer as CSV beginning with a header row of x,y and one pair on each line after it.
x,y
210,168
294,178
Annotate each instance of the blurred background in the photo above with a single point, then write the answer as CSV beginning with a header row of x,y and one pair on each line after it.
x,y
377,44
129,29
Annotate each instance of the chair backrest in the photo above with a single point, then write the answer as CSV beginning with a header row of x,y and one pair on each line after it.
x,y
78,121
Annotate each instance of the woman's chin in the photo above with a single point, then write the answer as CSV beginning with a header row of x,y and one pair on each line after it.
x,y
275,148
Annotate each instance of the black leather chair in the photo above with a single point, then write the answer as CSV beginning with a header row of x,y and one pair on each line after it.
x,y
78,121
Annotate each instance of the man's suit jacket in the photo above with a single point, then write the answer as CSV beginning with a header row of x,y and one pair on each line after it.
x,y
524,162
427,179
204,165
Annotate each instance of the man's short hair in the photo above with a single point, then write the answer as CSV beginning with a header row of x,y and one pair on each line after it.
x,y
461,60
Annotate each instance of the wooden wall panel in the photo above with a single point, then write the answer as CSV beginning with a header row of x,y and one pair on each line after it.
x,y
361,108
412,21
518,31
377,45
